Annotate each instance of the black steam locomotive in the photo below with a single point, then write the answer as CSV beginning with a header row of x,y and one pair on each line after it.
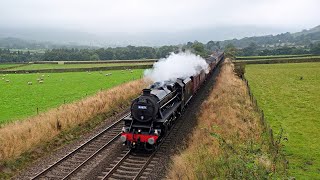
x,y
154,112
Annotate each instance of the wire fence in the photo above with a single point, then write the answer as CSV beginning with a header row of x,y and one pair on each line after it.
x,y
274,142
262,118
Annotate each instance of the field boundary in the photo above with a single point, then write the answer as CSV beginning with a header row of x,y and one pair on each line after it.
x,y
77,69
96,62
275,142
12,67
275,61
272,57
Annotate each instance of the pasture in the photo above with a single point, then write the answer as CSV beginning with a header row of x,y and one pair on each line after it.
x,y
20,99
289,94
74,66
3,66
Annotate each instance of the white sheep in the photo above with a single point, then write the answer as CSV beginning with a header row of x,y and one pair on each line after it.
x,y
2,78
40,82
107,74
131,71
42,75
7,81
48,75
29,83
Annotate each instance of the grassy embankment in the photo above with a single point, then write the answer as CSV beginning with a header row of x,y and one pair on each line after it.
x,y
20,100
229,141
24,141
289,94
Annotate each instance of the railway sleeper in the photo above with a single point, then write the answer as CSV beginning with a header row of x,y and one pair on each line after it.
x,y
133,173
122,176
132,164
138,161
129,167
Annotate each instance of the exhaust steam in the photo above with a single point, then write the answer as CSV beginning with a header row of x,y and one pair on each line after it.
x,y
181,65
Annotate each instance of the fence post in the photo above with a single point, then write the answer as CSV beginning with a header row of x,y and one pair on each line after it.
x,y
37,110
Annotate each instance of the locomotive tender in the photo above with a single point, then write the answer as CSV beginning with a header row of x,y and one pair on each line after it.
x,y
154,112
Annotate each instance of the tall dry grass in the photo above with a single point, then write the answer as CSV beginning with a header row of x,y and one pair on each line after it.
x,y
19,137
226,142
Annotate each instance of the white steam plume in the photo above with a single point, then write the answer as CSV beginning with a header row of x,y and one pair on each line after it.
x,y
181,65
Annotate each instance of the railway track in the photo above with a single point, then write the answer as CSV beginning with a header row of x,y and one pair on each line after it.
x,y
135,165
68,165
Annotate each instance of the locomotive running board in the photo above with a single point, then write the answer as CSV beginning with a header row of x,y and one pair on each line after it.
x,y
168,112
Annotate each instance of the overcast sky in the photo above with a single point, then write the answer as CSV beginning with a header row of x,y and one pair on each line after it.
x,y
101,16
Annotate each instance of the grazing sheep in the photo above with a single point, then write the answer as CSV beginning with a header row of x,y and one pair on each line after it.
x,y
41,78
2,78
48,75
29,83
107,74
7,80
131,71
110,73
4,75
40,82
42,75
38,79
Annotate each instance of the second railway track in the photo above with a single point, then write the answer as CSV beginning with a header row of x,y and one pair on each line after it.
x,y
71,163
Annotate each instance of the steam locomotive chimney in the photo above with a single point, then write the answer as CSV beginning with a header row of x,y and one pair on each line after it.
x,y
146,92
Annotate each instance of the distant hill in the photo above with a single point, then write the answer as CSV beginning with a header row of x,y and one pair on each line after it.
x,y
298,39
46,39
306,32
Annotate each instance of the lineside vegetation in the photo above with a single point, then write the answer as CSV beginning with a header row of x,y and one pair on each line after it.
x,y
229,141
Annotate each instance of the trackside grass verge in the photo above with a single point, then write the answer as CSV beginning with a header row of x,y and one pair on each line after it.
x,y
230,141
19,138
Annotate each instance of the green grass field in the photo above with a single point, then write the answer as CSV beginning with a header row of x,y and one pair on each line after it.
x,y
20,100
2,66
73,66
289,94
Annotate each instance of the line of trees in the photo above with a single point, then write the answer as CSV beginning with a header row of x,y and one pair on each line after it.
x,y
144,52
118,53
